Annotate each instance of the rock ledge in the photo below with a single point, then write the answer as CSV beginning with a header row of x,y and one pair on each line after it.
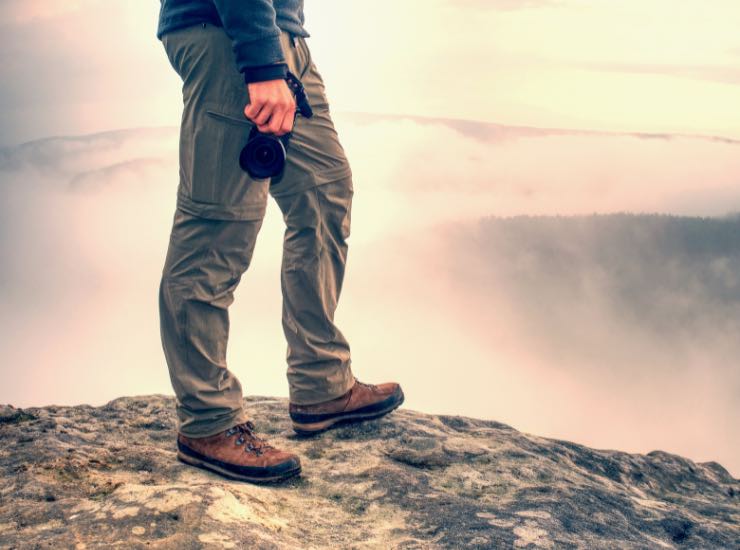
x,y
100,477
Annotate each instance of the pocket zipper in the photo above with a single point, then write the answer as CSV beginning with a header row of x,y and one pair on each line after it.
x,y
229,118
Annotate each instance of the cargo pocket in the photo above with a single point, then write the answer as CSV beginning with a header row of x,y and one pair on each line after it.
x,y
217,178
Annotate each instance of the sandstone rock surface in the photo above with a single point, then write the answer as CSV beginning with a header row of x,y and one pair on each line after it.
x,y
107,477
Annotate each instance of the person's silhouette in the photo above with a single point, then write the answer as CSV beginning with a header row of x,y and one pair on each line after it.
x,y
232,58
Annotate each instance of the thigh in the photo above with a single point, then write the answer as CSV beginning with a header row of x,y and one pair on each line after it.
x,y
315,154
213,128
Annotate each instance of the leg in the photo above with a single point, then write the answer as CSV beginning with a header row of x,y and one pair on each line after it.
x,y
315,194
204,264
219,214
314,257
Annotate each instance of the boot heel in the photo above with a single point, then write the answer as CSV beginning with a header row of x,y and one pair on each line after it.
x,y
314,427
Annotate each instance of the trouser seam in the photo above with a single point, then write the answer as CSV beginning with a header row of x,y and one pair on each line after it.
x,y
321,256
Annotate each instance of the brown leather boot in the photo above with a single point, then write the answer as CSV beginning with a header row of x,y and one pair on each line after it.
x,y
238,453
361,402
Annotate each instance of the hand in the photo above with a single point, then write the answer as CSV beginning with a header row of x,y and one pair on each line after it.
x,y
271,106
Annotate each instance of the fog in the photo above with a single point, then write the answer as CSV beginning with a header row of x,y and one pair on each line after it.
x,y
490,272
627,65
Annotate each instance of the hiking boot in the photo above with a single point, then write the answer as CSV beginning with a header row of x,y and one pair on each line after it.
x,y
238,453
361,402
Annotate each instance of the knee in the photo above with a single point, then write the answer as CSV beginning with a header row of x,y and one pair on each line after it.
x,y
336,205
206,258
207,276
302,247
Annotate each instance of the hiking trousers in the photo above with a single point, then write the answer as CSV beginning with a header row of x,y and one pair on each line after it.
x,y
219,211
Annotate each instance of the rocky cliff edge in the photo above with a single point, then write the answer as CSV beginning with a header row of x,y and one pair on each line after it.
x,y
107,477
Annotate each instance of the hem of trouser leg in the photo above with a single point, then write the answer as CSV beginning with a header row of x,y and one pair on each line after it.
x,y
219,212
320,178
222,425
324,399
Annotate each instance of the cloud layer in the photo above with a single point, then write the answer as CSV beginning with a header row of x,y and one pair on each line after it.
x,y
90,65
614,331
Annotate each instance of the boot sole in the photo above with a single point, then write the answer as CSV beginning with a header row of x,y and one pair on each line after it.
x,y
305,429
192,461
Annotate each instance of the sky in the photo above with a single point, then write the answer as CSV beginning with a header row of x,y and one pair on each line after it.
x,y
478,114
82,66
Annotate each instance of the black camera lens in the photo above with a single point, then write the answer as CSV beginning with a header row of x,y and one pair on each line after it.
x,y
263,156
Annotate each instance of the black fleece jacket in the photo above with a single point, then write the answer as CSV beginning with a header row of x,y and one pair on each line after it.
x,y
252,25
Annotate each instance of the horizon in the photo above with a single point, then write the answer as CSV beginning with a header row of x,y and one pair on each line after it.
x,y
553,114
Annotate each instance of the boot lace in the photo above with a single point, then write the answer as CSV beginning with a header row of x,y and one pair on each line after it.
x,y
255,445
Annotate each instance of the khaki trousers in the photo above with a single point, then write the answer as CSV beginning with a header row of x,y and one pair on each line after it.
x,y
218,215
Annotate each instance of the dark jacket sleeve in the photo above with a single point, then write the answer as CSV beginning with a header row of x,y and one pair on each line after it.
x,y
255,37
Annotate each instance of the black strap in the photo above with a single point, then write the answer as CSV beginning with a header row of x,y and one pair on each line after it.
x,y
300,94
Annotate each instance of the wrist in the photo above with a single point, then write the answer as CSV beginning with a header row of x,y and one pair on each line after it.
x,y
265,72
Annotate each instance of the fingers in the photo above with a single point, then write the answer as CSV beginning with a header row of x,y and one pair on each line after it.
x,y
280,123
272,107
288,120
252,109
